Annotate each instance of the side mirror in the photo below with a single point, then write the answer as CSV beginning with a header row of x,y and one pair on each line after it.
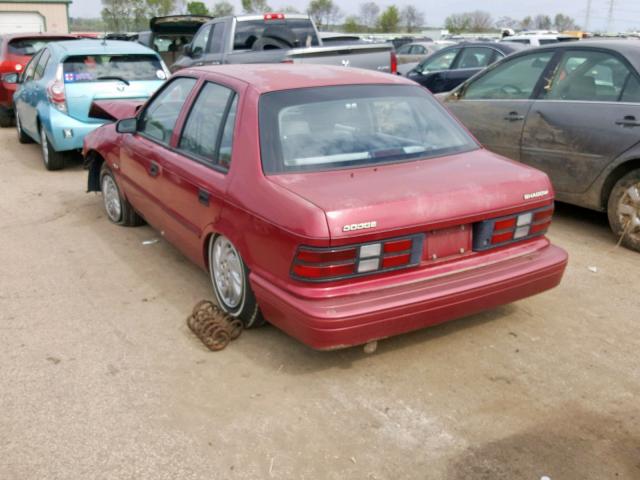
x,y
11,78
187,50
127,125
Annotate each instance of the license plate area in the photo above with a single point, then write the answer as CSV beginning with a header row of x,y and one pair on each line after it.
x,y
448,243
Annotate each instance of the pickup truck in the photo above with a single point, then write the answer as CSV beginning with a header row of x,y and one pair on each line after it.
x,y
277,38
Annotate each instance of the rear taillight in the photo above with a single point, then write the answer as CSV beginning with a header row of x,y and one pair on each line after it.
x,y
514,228
324,264
394,62
274,16
55,91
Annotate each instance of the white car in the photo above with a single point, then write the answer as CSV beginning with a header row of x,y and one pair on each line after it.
x,y
539,39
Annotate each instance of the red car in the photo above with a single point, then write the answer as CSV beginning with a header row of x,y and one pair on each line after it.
x,y
15,52
341,205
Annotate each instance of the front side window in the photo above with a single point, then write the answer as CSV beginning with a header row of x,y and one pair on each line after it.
x,y
631,91
129,67
204,131
354,126
475,57
440,61
512,80
404,50
160,117
590,76
200,41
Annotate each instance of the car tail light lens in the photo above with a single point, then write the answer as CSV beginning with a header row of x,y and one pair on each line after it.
x,y
325,264
55,91
394,63
501,231
274,16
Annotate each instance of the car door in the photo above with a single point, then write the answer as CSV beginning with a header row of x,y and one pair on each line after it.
x,y
25,100
494,105
194,177
470,61
142,154
432,72
585,117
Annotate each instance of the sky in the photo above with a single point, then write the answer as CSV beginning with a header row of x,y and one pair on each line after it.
x,y
626,12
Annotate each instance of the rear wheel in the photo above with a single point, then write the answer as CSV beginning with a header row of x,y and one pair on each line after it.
x,y
22,137
230,279
118,209
624,210
6,119
52,160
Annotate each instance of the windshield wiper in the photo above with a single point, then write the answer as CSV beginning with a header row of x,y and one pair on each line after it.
x,y
114,77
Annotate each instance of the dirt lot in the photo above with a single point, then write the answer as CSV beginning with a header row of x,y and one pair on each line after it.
x,y
100,378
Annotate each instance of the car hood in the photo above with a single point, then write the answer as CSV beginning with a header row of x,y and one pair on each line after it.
x,y
426,194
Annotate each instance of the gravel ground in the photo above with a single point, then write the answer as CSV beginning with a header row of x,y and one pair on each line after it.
x,y
101,379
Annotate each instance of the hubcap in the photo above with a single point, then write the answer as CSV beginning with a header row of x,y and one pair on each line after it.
x,y
629,211
111,198
228,273
44,145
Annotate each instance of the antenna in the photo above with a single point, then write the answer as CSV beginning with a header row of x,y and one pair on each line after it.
x,y
587,17
610,16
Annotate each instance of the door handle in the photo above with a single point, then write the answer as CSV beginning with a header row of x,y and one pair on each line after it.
x,y
514,117
154,169
628,121
203,197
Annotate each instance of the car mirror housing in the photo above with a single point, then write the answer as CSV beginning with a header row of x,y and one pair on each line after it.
x,y
11,78
127,125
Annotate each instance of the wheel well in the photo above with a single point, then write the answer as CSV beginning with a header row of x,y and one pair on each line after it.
x,y
93,162
619,172
205,249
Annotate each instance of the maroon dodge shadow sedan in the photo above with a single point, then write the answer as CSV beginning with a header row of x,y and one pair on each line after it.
x,y
342,206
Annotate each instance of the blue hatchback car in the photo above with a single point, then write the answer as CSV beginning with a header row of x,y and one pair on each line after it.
x,y
60,83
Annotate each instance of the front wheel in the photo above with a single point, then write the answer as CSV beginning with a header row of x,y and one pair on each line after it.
x,y
623,210
52,160
230,279
118,209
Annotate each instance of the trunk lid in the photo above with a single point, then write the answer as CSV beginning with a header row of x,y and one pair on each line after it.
x,y
418,196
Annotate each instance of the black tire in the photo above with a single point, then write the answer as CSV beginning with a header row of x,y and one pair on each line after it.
x,y
22,137
6,119
52,160
623,209
247,309
125,215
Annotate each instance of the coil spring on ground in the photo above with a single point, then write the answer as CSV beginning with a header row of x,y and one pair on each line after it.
x,y
213,326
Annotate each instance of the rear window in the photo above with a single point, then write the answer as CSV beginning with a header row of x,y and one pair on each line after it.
x,y
92,68
354,126
29,46
287,33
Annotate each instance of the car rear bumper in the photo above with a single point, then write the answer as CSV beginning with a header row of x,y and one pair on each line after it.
x,y
59,122
367,315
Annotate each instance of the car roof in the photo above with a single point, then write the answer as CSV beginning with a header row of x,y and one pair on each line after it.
x,y
504,47
266,78
13,36
99,47
630,49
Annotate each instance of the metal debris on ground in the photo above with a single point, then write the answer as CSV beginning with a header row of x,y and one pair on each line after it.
x,y
213,326
153,241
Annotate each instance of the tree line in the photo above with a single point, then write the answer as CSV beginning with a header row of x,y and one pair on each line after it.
x,y
134,15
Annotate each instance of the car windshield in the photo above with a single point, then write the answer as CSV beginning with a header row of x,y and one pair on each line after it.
x,y
91,68
354,126
28,46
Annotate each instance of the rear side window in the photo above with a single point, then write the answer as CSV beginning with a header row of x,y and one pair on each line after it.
x,y
92,68
160,117
327,128
274,33
204,134
591,76
512,80
439,61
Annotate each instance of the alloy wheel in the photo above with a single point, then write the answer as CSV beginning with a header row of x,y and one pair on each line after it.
x,y
111,198
227,272
629,211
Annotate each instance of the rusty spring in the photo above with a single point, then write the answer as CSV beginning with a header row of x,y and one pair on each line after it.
x,y
213,326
